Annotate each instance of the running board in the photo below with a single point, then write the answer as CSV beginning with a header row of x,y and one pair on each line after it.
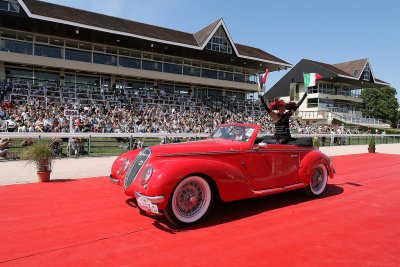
x,y
279,189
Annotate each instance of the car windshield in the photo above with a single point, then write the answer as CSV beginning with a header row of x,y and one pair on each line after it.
x,y
233,132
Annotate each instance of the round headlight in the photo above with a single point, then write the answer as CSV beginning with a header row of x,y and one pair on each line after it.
x,y
123,167
146,174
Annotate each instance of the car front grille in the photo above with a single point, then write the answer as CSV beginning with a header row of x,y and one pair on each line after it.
x,y
136,166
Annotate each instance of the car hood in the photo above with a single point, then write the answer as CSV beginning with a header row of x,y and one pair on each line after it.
x,y
208,146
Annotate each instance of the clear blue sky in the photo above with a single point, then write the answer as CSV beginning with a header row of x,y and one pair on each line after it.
x,y
330,31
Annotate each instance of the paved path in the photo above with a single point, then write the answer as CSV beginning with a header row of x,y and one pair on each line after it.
x,y
17,172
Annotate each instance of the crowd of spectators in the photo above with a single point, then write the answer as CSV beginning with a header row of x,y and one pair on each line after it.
x,y
33,117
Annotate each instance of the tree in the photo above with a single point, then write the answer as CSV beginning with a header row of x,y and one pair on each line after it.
x,y
381,103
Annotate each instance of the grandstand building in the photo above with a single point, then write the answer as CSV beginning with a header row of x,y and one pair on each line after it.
x,y
63,54
337,94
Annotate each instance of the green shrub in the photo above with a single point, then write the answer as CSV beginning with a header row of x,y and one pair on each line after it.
x,y
39,154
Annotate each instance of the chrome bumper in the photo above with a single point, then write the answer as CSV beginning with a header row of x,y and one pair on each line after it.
x,y
154,200
113,180
149,204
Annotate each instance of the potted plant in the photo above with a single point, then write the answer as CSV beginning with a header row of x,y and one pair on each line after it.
x,y
371,145
42,156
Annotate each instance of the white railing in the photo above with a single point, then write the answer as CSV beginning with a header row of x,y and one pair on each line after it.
x,y
104,135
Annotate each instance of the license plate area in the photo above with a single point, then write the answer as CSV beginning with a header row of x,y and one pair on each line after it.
x,y
146,205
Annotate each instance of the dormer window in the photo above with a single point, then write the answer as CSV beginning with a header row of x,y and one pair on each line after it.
x,y
219,42
10,5
366,75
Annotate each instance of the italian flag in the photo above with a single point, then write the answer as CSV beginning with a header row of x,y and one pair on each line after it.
x,y
310,79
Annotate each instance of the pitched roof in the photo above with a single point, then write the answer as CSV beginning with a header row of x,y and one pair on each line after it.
x,y
354,68
80,16
83,18
202,35
257,53
329,72
330,67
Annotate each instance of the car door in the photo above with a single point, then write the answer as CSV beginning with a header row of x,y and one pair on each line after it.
x,y
273,166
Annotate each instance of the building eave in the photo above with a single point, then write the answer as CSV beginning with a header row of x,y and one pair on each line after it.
x,y
132,35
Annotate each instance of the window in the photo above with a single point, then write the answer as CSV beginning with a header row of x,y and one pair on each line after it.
x,y
138,85
172,68
182,89
312,102
151,65
19,73
4,5
191,71
104,59
239,77
219,42
47,51
129,62
366,76
47,76
222,75
212,74
212,92
86,79
16,47
166,87
12,6
78,55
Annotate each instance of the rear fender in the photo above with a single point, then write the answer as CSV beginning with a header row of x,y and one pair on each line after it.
x,y
310,162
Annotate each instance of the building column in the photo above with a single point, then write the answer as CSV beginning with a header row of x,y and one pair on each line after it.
x,y
2,71
62,74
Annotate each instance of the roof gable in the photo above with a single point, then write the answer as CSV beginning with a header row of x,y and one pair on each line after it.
x,y
218,27
354,67
202,35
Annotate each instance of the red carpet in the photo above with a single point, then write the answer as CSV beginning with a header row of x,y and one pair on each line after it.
x,y
88,222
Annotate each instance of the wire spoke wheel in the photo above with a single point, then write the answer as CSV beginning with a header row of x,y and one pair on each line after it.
x,y
190,201
318,181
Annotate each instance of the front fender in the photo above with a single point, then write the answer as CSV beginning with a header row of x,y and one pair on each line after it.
x,y
310,161
116,171
230,180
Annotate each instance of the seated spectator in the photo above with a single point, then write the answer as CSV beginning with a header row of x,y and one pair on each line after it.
x,y
56,145
21,125
12,124
27,142
4,146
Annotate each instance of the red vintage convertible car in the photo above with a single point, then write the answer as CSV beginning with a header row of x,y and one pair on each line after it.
x,y
181,180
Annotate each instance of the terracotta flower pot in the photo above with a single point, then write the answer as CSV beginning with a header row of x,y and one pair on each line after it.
x,y
43,176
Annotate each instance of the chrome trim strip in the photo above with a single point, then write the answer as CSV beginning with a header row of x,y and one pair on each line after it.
x,y
278,189
200,153
154,200
128,173
277,150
